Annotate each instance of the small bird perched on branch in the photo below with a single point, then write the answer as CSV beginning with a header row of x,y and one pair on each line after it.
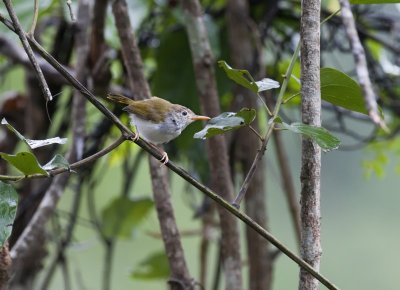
x,y
156,120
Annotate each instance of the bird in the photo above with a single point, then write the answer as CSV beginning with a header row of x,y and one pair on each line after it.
x,y
156,120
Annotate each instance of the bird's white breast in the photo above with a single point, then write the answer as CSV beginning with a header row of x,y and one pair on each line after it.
x,y
152,132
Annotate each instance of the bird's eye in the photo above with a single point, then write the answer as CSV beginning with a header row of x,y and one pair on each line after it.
x,y
174,121
184,113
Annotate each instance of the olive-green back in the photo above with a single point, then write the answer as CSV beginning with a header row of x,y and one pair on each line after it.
x,y
153,109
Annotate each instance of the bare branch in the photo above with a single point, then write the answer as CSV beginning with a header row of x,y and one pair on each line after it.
x,y
35,16
71,12
361,65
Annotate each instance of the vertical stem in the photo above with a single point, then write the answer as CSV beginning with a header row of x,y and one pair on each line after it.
x,y
108,262
35,16
311,153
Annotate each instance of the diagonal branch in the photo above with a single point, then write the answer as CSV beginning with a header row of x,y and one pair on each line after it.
x,y
28,49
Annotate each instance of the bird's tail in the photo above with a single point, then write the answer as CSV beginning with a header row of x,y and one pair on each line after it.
x,y
119,99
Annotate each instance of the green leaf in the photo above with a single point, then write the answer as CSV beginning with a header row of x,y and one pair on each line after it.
x,y
240,76
58,161
25,162
341,90
244,78
8,206
154,267
226,122
33,144
123,215
320,135
373,1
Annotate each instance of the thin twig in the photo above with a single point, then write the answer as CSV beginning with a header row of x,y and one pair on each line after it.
x,y
291,97
31,32
265,104
256,133
71,13
361,65
271,127
18,29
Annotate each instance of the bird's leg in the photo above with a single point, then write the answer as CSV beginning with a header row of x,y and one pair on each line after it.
x,y
164,159
136,137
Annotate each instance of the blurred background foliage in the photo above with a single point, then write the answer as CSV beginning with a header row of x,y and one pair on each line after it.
x,y
360,197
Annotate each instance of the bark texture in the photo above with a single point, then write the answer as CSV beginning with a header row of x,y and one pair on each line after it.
x,y
221,180
244,55
180,277
311,153
5,265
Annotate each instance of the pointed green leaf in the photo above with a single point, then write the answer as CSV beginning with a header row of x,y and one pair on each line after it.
x,y
341,90
240,76
33,144
226,122
58,161
320,135
154,267
123,215
244,78
25,162
8,206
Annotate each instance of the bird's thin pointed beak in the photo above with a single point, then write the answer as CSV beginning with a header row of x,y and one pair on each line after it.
x,y
199,118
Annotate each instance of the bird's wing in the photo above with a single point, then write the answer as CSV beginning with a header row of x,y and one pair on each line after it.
x,y
153,109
